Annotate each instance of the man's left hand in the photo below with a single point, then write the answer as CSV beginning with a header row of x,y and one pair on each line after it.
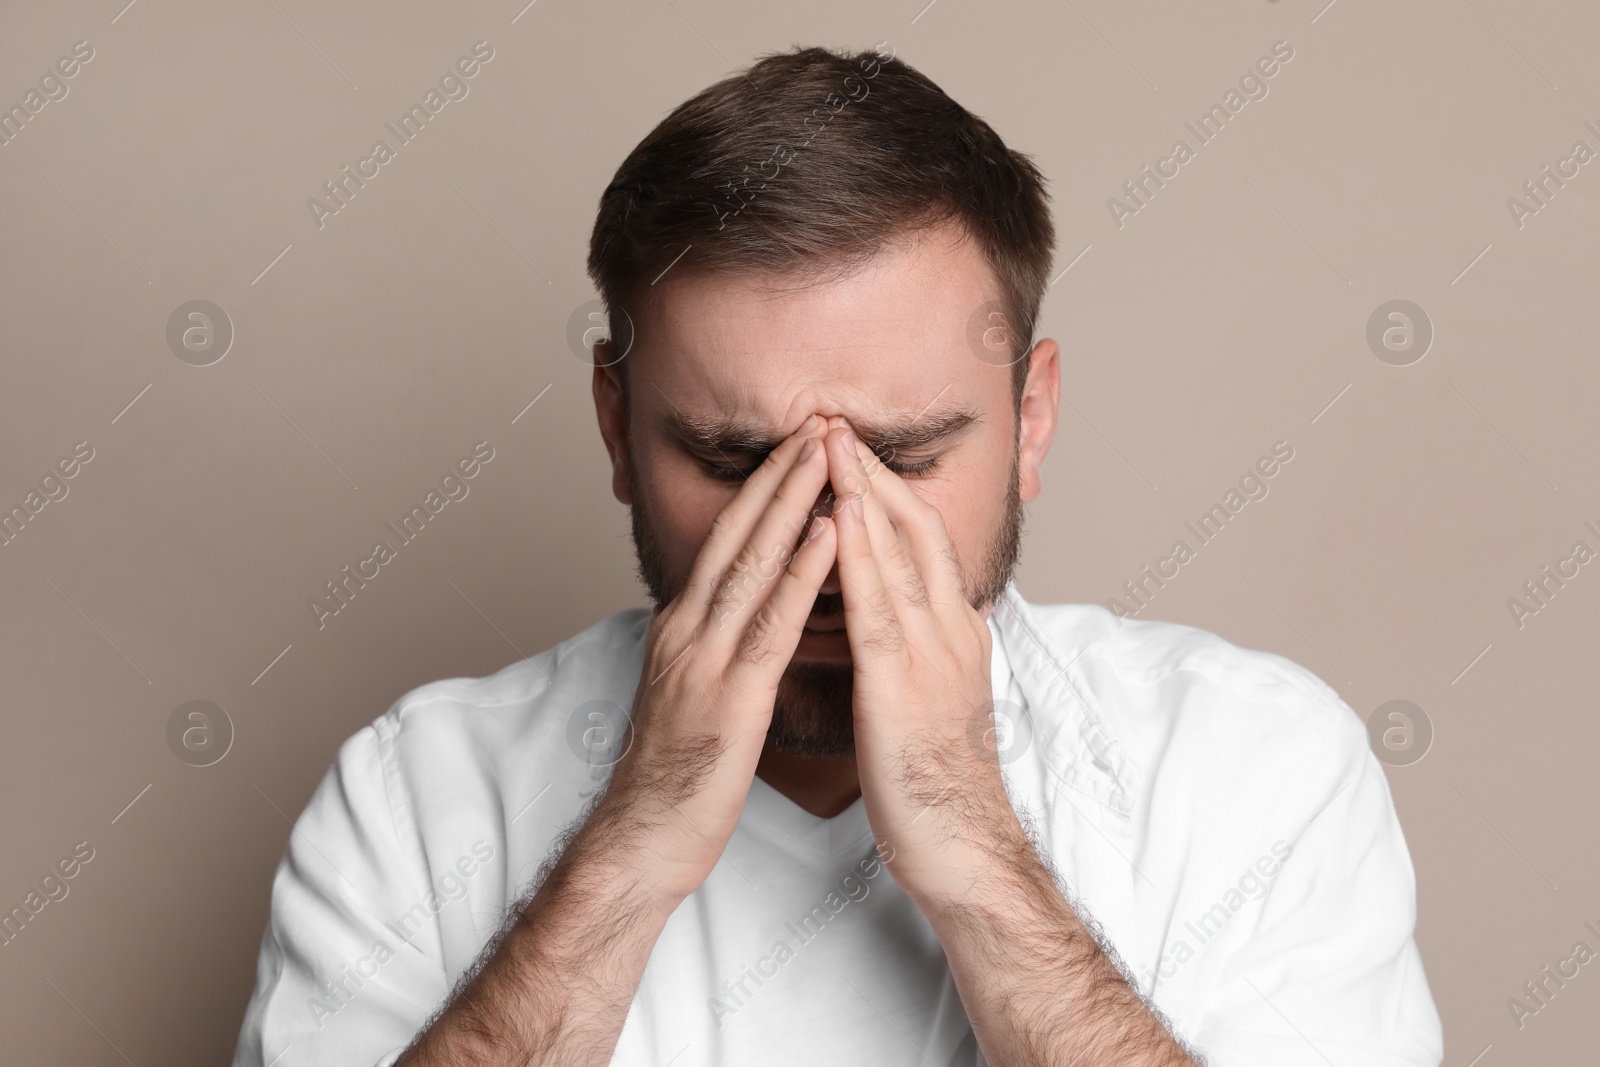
x,y
933,789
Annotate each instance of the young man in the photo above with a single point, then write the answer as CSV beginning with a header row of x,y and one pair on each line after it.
x,y
843,796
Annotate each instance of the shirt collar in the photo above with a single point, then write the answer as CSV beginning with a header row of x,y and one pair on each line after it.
x,y
1066,723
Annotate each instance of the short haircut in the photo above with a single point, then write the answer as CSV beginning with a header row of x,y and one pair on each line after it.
x,y
810,162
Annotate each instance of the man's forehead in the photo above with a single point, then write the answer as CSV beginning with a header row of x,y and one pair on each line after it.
x,y
898,394
741,360
734,337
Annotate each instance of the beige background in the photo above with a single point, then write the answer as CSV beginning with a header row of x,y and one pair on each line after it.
x,y
1228,314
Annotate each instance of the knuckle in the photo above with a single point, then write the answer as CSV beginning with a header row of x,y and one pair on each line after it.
x,y
913,591
666,631
884,634
722,526
900,560
772,459
757,644
732,586
884,638
929,521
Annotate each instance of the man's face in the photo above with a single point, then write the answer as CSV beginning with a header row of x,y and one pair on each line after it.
x,y
726,366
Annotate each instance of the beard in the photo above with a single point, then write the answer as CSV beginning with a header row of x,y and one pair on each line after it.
x,y
813,711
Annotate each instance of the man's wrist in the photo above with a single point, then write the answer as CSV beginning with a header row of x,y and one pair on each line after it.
x,y
968,853
617,858
558,983
987,878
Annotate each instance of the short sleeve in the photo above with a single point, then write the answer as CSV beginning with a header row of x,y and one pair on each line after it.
x,y
344,978
1330,973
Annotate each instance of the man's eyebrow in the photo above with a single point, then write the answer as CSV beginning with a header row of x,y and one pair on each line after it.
x,y
725,433
735,435
918,431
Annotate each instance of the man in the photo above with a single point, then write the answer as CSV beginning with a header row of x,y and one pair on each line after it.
x,y
843,796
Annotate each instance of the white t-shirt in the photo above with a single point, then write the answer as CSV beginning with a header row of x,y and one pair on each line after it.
x,y
1214,811
801,949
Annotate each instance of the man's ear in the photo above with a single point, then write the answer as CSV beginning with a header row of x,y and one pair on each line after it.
x,y
1041,400
611,411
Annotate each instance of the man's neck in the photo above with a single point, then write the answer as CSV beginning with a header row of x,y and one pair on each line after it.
x,y
823,786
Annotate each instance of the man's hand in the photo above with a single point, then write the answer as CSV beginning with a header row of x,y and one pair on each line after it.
x,y
714,657
1035,983
555,988
921,656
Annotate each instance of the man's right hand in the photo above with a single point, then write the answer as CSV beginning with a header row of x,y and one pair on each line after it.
x,y
713,660
557,984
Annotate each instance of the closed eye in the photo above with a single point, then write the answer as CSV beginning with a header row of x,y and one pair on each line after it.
x,y
919,469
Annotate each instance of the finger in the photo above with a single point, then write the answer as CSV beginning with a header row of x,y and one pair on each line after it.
x,y
747,583
767,645
870,621
920,526
734,524
904,585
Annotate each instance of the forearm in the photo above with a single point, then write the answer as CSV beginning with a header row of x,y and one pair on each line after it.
x,y
1036,985
557,987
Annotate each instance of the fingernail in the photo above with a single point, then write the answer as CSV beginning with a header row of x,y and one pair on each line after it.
x,y
849,439
809,426
854,504
806,449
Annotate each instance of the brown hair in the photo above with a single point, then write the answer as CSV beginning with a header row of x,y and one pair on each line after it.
x,y
811,161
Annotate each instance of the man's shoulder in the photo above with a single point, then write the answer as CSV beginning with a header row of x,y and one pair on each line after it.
x,y
1148,652
1166,689
1178,732
531,695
